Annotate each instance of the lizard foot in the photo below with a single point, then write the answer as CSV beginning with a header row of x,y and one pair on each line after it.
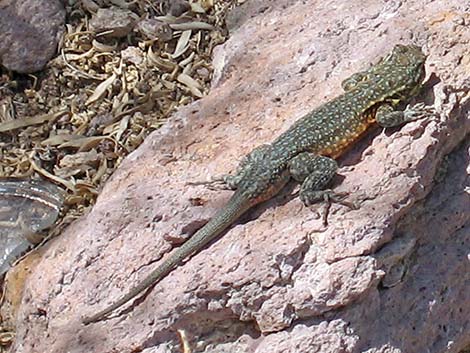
x,y
329,197
419,111
218,183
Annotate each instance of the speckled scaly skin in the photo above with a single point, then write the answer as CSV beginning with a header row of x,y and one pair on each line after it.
x,y
306,151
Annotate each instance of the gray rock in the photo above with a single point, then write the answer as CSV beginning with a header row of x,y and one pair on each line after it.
x,y
117,21
179,7
27,207
29,33
153,28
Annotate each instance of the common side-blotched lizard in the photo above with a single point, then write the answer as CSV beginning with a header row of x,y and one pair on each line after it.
x,y
306,152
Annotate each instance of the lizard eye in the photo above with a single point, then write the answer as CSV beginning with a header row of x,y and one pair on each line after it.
x,y
400,48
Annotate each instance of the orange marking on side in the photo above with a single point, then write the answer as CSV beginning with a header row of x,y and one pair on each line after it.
x,y
339,147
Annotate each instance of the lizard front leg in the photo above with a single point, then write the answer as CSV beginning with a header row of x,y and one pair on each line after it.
x,y
388,116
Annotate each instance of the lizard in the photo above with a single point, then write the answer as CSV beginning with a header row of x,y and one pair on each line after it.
x,y
307,151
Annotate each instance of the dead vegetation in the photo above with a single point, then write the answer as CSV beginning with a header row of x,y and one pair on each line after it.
x,y
105,91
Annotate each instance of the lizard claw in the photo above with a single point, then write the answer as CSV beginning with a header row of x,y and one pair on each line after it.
x,y
217,183
419,111
339,197
329,197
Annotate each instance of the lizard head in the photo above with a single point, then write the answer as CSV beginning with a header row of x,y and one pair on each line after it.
x,y
408,61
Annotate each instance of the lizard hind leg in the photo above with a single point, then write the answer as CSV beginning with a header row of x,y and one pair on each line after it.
x,y
231,181
251,159
315,173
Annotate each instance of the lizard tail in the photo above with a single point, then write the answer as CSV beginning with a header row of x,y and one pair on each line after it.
x,y
236,206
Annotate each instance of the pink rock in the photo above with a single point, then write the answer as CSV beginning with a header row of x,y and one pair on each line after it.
x,y
392,276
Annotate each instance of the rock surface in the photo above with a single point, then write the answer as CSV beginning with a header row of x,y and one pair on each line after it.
x,y
116,22
392,276
29,33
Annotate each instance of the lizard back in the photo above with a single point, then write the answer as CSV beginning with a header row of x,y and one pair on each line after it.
x,y
332,127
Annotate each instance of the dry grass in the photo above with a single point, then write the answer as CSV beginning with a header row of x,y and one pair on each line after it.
x,y
74,122
100,97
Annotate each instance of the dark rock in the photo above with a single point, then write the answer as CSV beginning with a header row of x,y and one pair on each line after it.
x,y
179,7
29,33
153,28
117,21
